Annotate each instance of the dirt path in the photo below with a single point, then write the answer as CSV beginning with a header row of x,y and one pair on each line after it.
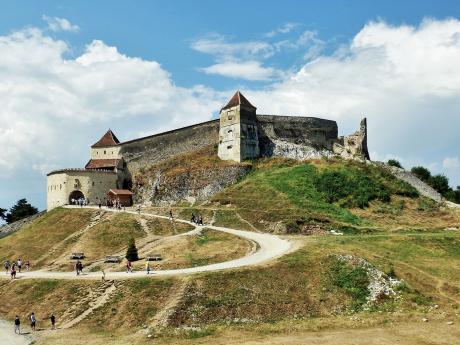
x,y
161,318
269,248
7,336
439,282
245,221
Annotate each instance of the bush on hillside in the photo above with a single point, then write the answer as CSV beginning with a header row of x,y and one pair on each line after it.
x,y
352,189
131,253
421,172
454,195
394,163
440,183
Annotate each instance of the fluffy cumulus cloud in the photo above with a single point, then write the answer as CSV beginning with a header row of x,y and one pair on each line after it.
x,y
60,24
52,106
404,79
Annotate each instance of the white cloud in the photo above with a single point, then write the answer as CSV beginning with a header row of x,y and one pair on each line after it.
x,y
405,79
249,70
60,24
283,29
53,108
219,46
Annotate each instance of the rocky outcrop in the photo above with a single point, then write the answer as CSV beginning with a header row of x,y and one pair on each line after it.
x,y
8,229
167,185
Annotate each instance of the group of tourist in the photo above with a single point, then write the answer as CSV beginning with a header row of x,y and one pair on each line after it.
x,y
79,202
33,322
13,267
113,203
198,220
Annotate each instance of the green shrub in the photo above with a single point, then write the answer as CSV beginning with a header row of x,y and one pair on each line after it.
x,y
394,163
131,253
421,172
440,183
352,187
352,279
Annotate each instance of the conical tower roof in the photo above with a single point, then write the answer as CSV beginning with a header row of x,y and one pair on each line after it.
x,y
238,99
108,139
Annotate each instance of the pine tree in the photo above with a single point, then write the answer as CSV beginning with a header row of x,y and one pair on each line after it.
x,y
131,253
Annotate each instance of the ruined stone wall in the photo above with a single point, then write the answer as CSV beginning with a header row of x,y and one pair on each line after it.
x,y
296,137
155,148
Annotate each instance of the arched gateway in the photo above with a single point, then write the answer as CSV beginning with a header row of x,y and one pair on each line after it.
x,y
75,195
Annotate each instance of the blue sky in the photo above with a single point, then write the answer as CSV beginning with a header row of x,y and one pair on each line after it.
x,y
70,70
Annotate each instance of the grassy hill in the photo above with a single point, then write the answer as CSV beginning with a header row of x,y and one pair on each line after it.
x,y
392,235
288,196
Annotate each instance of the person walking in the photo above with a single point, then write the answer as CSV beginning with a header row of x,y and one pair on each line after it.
x,y
129,267
147,267
13,272
200,220
170,215
19,265
103,276
27,265
7,266
78,267
33,321
193,218
53,321
17,325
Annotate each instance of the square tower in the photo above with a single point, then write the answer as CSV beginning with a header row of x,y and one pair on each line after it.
x,y
238,138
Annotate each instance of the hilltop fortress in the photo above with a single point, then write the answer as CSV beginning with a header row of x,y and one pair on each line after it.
x,y
240,134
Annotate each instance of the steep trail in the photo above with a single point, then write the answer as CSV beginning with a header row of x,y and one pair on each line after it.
x,y
95,304
269,248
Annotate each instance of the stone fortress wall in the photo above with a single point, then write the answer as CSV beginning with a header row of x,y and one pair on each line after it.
x,y
239,133
155,148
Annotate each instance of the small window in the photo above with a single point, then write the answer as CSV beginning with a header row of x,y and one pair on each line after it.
x,y
104,152
230,117
229,147
230,131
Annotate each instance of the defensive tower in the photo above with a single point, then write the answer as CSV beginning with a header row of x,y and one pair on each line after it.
x,y
238,138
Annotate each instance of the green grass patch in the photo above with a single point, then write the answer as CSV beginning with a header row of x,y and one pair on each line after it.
x,y
352,279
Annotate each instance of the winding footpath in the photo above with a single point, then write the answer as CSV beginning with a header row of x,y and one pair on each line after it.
x,y
270,247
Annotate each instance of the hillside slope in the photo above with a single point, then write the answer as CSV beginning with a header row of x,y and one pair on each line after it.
x,y
308,197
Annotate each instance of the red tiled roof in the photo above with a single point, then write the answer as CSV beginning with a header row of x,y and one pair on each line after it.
x,y
238,99
120,192
108,139
101,163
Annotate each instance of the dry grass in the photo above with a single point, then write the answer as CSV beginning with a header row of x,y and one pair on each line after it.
x,y
109,236
40,236
198,250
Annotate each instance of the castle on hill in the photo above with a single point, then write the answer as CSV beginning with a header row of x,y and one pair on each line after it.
x,y
240,134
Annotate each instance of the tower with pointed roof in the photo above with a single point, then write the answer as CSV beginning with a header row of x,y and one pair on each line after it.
x,y
238,138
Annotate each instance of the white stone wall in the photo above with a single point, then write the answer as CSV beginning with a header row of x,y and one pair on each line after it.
x,y
112,152
229,135
92,183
